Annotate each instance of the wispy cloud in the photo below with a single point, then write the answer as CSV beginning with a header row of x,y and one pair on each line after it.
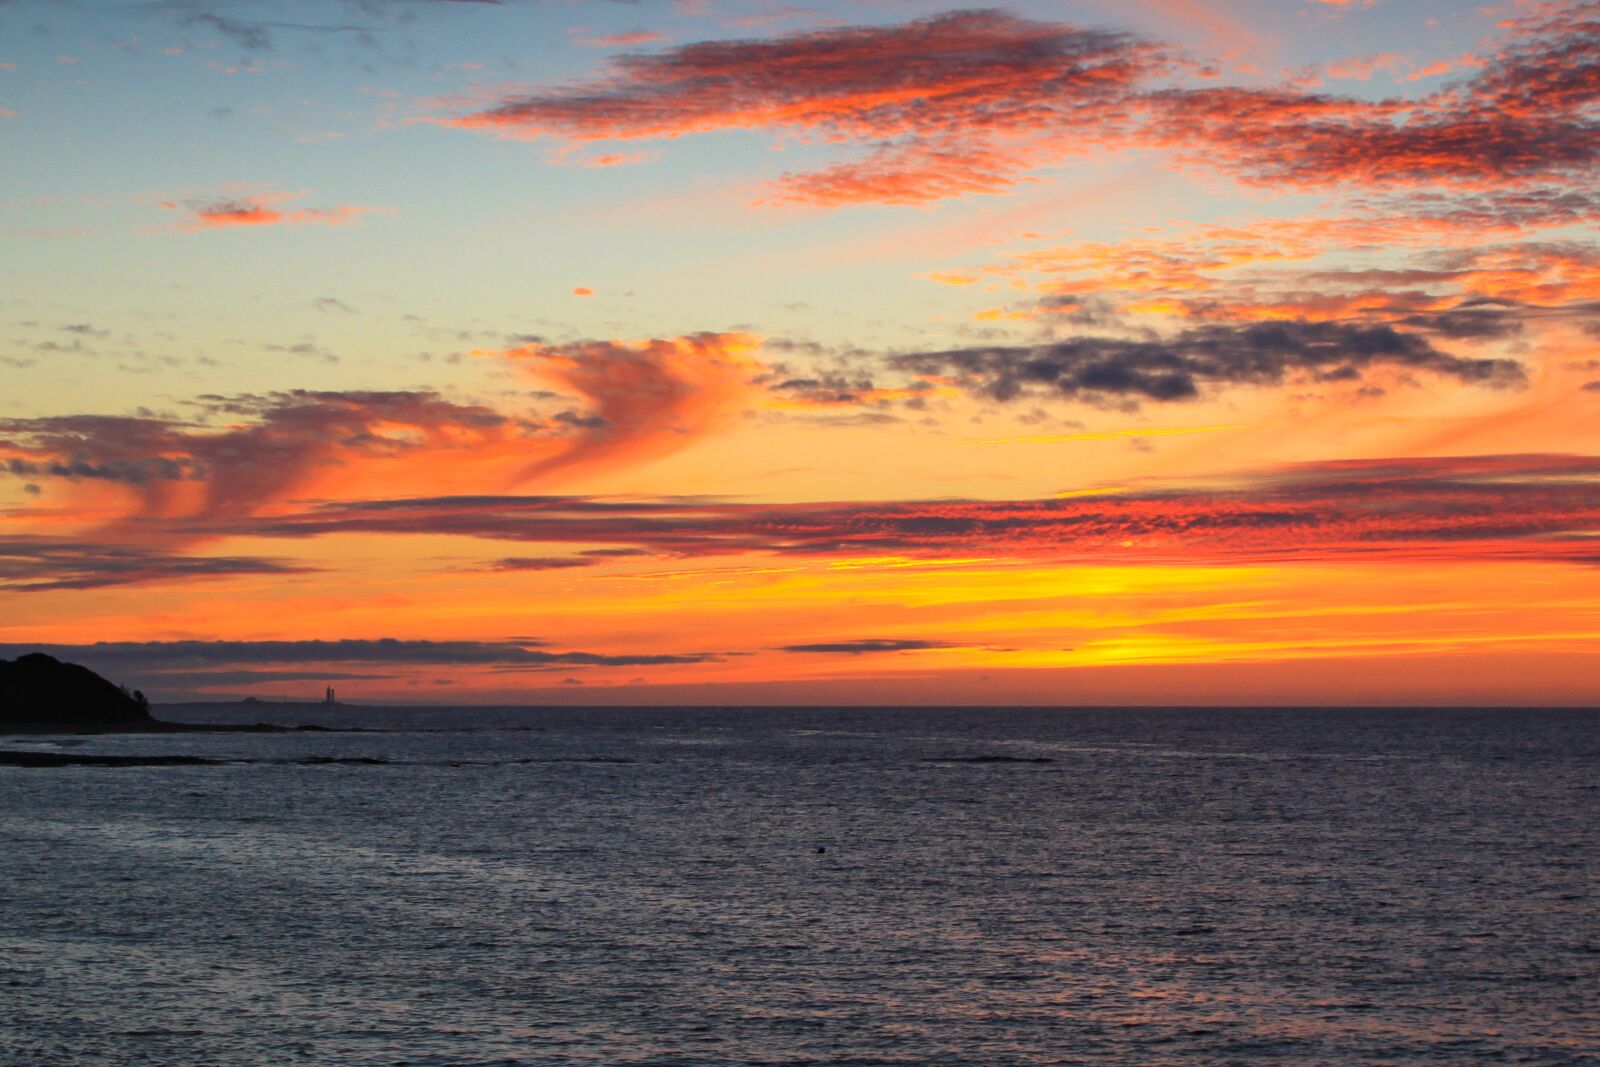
x,y
1535,507
169,656
866,645
938,87
259,209
49,564
621,40
642,399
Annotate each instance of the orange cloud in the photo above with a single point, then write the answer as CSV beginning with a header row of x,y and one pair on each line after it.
x,y
644,399
1284,137
1526,115
967,102
930,76
622,40
1444,66
907,174
1441,266
1362,68
245,455
260,209
614,159
943,88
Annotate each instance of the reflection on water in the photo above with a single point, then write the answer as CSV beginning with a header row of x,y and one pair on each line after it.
x,y
1208,887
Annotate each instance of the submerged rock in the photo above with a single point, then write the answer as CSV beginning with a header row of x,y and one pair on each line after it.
x,y
74,759
988,759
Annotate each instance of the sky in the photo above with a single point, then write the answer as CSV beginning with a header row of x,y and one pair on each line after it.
x,y
727,352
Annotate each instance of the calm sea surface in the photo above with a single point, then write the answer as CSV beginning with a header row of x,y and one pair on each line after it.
x,y
504,886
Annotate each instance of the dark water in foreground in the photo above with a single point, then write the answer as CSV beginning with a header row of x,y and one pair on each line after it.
x,y
1197,887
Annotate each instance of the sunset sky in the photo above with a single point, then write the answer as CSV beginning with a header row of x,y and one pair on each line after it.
x,y
1146,351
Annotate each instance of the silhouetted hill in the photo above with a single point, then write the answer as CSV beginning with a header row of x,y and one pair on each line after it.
x,y
39,693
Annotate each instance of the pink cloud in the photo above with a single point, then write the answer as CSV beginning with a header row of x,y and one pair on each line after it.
x,y
260,209
970,102
934,96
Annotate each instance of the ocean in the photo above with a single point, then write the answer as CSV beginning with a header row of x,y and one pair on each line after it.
x,y
998,886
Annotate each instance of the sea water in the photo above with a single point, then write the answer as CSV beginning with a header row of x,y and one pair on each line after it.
x,y
810,886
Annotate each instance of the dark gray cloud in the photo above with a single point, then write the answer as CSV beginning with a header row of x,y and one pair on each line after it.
x,y
1536,207
249,35
42,564
1101,369
183,679
185,669
249,27
128,449
170,656
825,388
856,648
303,348
1480,320
542,563
268,445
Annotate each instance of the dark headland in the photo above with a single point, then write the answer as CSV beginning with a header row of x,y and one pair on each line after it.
x,y
40,694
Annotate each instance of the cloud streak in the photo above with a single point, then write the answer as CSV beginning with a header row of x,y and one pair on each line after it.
x,y
930,75
51,564
936,88
169,656
867,645
1530,508
259,209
